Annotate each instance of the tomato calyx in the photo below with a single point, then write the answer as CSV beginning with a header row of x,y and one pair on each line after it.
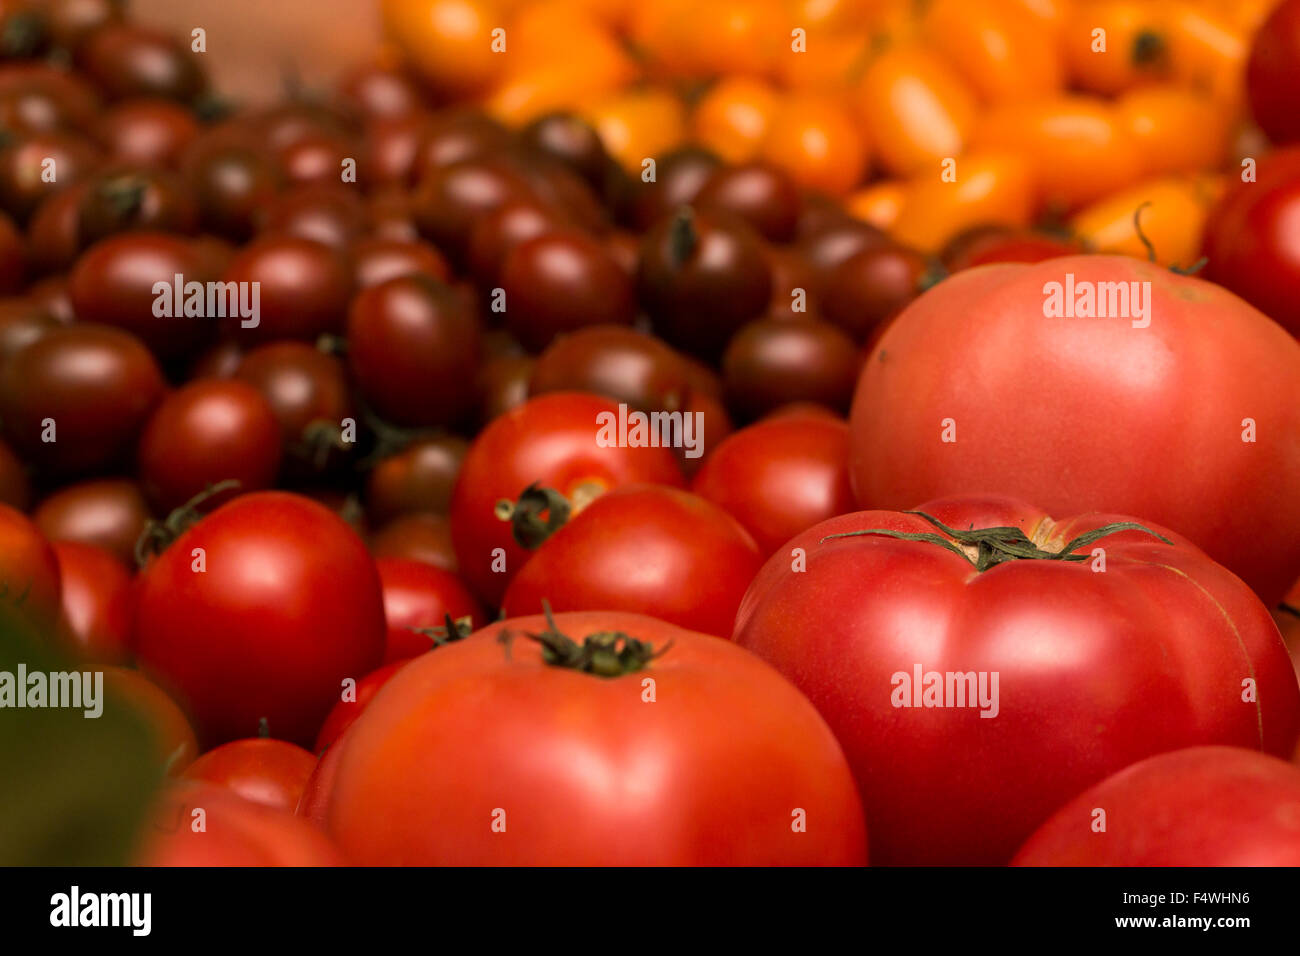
x,y
157,536
998,545
122,197
448,631
602,654
24,33
263,728
1191,270
682,236
1149,48
537,515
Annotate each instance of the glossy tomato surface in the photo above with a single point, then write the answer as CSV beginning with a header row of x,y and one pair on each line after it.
x,y
266,771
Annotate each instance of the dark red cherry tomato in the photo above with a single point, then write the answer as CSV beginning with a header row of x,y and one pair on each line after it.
x,y
417,478
329,212
147,131
620,363
125,60
304,288
761,194
419,536
772,362
15,488
109,513
378,259
451,199
872,286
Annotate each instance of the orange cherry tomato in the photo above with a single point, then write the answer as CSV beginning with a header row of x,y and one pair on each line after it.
x,y
733,117
738,37
449,42
1078,147
559,35
989,188
639,124
1173,211
879,204
1176,129
916,110
827,64
816,140
1112,45
1209,46
1003,54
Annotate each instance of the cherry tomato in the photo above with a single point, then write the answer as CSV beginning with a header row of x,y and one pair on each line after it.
x,y
419,536
344,715
15,488
109,513
304,288
378,259
761,194
417,478
147,131
269,772
418,597
620,363
872,286
771,362
29,570
125,60
98,601
1271,73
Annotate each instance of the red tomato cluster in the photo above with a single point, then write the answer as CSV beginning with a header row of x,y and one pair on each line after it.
x,y
392,457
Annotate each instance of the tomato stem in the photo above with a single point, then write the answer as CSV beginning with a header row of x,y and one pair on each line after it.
x,y
448,631
527,525
683,238
157,536
603,654
1000,544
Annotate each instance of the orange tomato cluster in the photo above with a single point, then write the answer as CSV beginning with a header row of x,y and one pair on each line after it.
x,y
927,119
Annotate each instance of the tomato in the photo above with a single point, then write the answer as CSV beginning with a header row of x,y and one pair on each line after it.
x,y
114,281
451,198
639,124
309,393
316,159
15,488
347,710
733,116
98,601
1203,806
449,41
232,181
1169,634
419,536
265,771
562,281
23,321
23,177
702,275
499,231
1173,212
29,569
304,287
13,257
417,478
983,245
1071,399
772,362
1251,240
643,550
378,91
824,247
208,432
94,386
765,196
874,285
817,141
780,476
235,832
174,742
1132,47
419,597
409,340
1000,52
109,513
378,260
620,363
1272,71
288,605
1178,130
124,60
679,177
550,440
740,759
329,212
147,131
38,97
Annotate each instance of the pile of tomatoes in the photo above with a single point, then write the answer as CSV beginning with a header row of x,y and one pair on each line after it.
x,y
898,565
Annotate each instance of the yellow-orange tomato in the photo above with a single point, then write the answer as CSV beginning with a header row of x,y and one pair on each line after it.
x,y
1003,54
816,140
827,64
732,118
738,37
879,204
639,124
1173,217
1078,148
660,31
1175,129
1112,45
916,110
989,188
559,35
1209,48
1048,15
448,41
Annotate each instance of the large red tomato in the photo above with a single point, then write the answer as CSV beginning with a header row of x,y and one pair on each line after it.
x,y
550,440
231,831
1192,421
1204,806
621,750
781,476
266,771
645,550
1252,238
1071,672
418,596
260,610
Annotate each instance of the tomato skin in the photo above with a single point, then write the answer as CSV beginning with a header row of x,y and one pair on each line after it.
x,y
98,384
733,746
98,601
262,770
417,478
1203,806
551,440
238,832
1033,429
1251,240
29,569
110,513
1272,71
419,595
239,644
642,550
304,288
780,476
345,712
1167,632
421,536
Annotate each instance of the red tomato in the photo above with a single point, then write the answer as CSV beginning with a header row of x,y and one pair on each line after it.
x,y
644,550
702,755
287,605
110,513
1204,806
98,601
347,710
780,476
313,805
1252,242
1273,72
174,742
418,595
235,832
420,536
270,772
29,570
209,431
1094,670
987,244
550,440
1085,414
